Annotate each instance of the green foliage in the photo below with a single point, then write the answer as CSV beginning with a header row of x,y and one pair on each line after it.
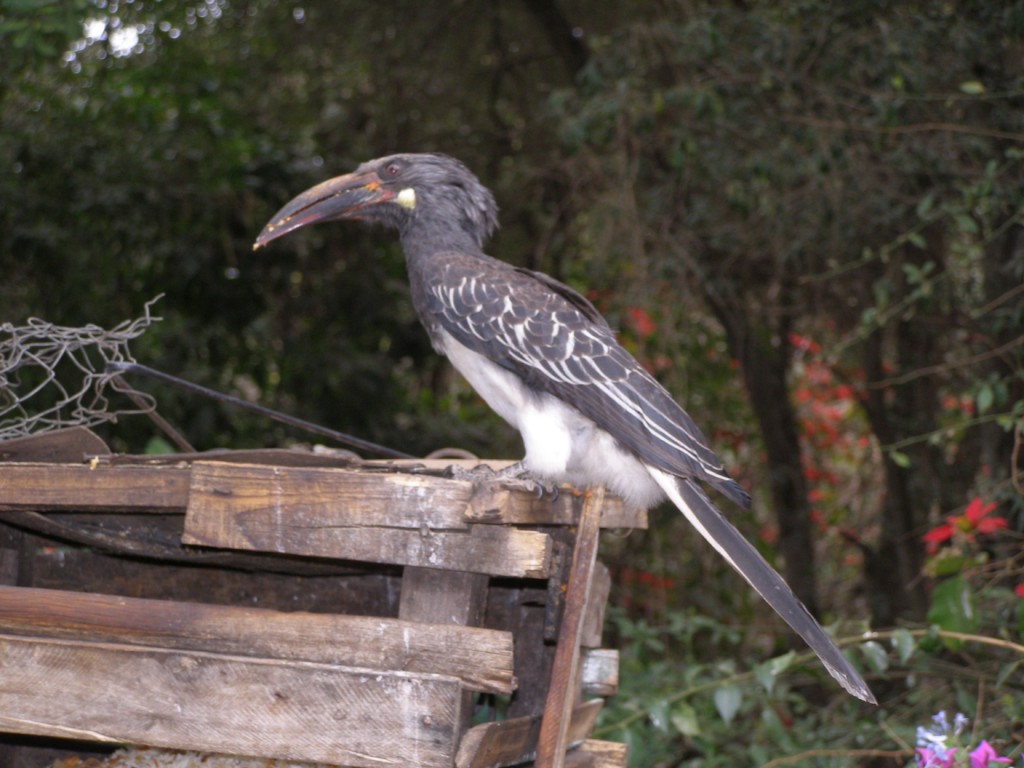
x,y
953,608
679,704
35,30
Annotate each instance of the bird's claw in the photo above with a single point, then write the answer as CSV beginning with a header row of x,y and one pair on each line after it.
x,y
514,476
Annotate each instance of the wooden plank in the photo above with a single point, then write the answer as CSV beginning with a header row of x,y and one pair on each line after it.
x,y
481,658
296,456
514,741
75,444
593,619
234,705
445,597
494,550
600,674
552,742
491,503
113,485
520,609
87,488
499,505
442,597
301,497
593,753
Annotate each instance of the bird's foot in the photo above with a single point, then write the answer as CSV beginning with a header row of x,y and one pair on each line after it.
x,y
515,476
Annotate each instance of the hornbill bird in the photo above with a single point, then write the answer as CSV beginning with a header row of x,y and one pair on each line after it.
x,y
546,361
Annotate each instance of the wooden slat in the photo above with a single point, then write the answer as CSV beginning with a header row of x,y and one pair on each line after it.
x,y
86,488
593,753
234,705
553,739
498,551
480,658
600,674
520,609
164,487
300,497
445,597
514,741
503,506
492,503
593,619
442,597
75,444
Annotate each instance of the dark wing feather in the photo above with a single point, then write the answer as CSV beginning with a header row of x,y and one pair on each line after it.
x,y
554,339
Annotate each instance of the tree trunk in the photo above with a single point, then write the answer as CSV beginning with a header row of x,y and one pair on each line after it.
x,y
892,569
763,354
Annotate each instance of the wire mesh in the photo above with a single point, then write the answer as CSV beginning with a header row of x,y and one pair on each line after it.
x,y
53,377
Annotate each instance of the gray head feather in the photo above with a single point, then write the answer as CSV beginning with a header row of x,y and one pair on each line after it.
x,y
451,203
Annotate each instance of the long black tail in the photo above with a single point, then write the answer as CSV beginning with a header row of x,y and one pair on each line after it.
x,y
741,555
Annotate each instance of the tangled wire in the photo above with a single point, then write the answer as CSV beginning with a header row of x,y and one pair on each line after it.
x,y
53,377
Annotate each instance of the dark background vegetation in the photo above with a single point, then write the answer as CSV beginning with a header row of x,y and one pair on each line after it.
x,y
804,216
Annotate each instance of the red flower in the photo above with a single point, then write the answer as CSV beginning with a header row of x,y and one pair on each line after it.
x,y
641,322
936,536
974,520
977,518
1019,590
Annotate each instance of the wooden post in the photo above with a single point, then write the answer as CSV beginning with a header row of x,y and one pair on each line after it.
x,y
445,597
552,742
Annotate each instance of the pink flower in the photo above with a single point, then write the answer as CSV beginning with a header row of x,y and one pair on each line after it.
x,y
984,756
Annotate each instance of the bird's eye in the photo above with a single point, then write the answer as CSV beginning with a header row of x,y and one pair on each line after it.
x,y
392,170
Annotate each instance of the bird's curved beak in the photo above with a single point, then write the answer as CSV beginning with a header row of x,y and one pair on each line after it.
x,y
342,197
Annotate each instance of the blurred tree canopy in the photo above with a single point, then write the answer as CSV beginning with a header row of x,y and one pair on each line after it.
x,y
757,194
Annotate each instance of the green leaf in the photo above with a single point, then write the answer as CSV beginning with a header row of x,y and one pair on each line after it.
x,y
767,673
900,459
916,240
158,445
953,609
986,396
727,701
966,223
660,716
948,562
684,718
875,655
903,643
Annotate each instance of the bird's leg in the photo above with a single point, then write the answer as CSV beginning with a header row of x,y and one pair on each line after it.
x,y
513,476
518,476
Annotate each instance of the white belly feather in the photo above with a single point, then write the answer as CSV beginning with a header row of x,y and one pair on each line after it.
x,y
561,444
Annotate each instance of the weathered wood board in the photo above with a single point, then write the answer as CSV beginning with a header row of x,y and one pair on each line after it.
x,y
600,673
73,444
594,753
494,550
350,495
84,487
553,739
493,503
229,704
514,741
299,497
480,658
593,619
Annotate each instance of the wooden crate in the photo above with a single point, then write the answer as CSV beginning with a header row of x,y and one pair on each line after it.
x,y
498,593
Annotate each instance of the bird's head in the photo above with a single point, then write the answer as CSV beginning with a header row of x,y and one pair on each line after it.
x,y
410,192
